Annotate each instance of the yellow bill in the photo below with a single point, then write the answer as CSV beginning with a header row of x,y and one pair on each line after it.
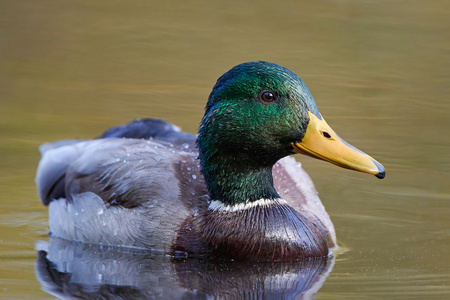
x,y
320,141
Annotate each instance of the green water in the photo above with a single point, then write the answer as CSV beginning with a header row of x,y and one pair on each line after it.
x,y
378,70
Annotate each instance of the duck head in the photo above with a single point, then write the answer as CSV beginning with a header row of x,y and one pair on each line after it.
x,y
259,112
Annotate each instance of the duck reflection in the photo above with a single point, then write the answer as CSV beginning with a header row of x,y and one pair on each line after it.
x,y
70,270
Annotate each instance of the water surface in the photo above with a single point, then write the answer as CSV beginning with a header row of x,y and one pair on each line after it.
x,y
378,70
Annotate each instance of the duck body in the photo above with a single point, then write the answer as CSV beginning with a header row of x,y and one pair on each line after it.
x,y
232,194
168,209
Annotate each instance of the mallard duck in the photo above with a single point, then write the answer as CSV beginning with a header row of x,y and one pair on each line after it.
x,y
231,192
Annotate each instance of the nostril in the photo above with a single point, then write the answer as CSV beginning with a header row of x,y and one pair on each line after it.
x,y
326,134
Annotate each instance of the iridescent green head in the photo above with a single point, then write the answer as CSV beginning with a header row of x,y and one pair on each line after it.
x,y
256,109
257,113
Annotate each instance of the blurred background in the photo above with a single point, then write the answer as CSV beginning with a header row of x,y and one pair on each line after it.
x,y
378,70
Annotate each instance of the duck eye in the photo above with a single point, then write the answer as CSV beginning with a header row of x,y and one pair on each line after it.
x,y
267,96
326,134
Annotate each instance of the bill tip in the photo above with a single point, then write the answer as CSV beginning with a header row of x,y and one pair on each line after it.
x,y
381,172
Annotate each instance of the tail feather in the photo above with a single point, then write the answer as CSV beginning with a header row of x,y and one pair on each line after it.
x,y
50,175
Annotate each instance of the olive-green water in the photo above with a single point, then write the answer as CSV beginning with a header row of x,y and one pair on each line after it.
x,y
378,70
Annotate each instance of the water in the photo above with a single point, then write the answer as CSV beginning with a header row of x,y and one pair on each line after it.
x,y
378,70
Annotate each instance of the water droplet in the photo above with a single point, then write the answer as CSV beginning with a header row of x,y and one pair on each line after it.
x,y
194,176
100,211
